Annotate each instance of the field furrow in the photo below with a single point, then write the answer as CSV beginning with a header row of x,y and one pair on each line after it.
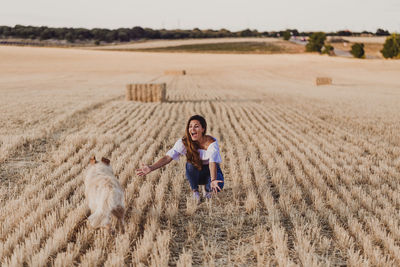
x,y
301,157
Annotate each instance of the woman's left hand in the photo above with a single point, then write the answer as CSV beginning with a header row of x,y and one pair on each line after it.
x,y
215,187
144,170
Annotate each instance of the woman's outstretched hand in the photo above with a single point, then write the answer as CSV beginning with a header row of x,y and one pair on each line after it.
x,y
215,187
144,170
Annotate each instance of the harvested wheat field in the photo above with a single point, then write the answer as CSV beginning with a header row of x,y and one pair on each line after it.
x,y
312,172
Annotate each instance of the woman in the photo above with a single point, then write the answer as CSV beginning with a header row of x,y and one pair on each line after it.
x,y
203,158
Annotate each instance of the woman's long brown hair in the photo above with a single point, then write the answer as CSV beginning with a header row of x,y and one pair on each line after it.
x,y
192,155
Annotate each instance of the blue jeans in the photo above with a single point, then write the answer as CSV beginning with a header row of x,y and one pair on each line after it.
x,y
203,177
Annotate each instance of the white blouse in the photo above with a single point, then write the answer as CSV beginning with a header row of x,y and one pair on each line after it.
x,y
210,155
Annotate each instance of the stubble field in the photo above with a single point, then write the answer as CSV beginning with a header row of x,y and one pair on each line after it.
x,y
312,173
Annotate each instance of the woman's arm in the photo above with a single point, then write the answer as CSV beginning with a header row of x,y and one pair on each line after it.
x,y
213,171
149,168
213,174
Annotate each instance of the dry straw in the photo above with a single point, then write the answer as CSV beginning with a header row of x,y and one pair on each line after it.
x,y
323,81
146,92
175,72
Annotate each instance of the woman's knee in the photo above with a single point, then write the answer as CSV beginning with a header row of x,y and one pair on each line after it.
x,y
192,175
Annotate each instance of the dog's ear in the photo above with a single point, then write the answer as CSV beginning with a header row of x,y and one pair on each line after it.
x,y
92,160
105,161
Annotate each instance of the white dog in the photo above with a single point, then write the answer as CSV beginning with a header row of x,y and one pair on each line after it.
x,y
104,195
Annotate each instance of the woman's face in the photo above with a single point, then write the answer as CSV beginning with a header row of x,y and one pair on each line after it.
x,y
196,131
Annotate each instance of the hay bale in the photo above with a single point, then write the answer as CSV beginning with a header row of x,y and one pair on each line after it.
x,y
150,93
143,91
323,81
163,92
128,94
175,72
134,93
146,92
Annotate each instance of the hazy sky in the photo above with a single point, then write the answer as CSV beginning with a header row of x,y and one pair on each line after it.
x,y
305,15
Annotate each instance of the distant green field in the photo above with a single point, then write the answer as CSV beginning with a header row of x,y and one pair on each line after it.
x,y
237,47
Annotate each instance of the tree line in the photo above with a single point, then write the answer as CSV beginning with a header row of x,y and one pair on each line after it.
x,y
391,47
130,34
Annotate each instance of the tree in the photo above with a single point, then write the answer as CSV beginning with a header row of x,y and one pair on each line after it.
x,y
83,34
367,33
246,33
5,31
357,50
344,33
224,33
70,37
294,32
151,34
391,48
316,42
381,32
47,34
137,33
110,36
123,35
99,34
60,33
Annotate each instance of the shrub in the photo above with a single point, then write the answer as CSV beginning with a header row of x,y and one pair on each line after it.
x,y
316,42
357,50
286,35
328,49
391,48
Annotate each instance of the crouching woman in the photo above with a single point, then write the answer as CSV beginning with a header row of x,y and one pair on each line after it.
x,y
203,158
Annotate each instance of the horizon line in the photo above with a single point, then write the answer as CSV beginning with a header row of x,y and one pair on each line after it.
x,y
204,29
